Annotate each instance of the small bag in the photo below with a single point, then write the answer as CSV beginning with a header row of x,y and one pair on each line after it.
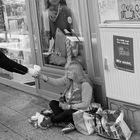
x,y
84,122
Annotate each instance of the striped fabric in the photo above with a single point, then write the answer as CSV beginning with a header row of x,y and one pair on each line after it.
x,y
68,49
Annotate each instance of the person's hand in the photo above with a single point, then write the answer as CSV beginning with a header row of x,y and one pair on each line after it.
x,y
43,77
64,106
34,71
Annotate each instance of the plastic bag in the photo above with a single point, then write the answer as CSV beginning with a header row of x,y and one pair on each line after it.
x,y
36,119
122,128
113,126
84,122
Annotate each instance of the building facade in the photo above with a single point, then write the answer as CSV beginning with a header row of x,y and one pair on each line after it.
x,y
106,33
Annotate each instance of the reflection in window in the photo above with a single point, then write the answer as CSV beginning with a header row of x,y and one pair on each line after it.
x,y
60,32
14,38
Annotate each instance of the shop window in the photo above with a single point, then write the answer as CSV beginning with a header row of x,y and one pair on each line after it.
x,y
14,38
60,31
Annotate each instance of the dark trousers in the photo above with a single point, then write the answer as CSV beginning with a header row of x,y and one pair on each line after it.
x,y
60,115
11,65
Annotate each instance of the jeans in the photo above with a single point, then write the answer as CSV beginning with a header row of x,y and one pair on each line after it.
x,y
60,115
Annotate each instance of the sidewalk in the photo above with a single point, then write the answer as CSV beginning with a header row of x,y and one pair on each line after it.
x,y
15,109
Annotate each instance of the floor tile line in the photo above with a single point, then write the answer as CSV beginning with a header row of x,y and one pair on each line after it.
x,y
13,130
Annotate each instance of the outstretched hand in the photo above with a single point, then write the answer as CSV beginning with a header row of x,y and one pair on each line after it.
x,y
34,71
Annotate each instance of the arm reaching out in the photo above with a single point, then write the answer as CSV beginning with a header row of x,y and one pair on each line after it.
x,y
54,81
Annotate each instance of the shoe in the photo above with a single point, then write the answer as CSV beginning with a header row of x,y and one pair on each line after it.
x,y
46,123
61,124
69,128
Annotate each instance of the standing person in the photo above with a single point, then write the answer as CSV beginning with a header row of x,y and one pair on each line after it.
x,y
77,95
13,66
61,23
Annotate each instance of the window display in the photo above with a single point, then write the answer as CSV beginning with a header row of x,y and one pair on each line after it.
x,y
58,22
15,40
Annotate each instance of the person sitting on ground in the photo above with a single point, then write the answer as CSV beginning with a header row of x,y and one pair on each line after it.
x,y
13,66
77,95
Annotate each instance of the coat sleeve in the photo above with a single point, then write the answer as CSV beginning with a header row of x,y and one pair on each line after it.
x,y
11,65
57,82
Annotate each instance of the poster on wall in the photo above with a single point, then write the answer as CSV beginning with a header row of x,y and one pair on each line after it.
x,y
129,9
123,53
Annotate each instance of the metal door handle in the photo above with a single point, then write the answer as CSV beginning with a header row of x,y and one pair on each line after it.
x,y
106,64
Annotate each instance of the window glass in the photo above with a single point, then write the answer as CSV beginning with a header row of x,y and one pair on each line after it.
x,y
15,39
60,32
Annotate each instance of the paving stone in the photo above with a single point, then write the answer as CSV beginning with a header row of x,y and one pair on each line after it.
x,y
3,128
8,115
49,134
9,89
22,127
30,110
2,86
10,136
4,98
80,136
7,134
16,106
41,102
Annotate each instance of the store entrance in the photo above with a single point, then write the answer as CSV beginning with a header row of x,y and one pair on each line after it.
x,y
15,40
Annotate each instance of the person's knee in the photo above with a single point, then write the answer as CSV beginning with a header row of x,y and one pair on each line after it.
x,y
53,103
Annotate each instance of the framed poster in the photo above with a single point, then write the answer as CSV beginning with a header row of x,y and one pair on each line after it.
x,y
123,53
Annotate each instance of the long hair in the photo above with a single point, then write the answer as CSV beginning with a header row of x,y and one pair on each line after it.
x,y
48,4
79,73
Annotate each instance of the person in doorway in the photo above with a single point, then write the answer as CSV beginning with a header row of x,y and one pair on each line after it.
x,y
61,23
77,95
13,66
